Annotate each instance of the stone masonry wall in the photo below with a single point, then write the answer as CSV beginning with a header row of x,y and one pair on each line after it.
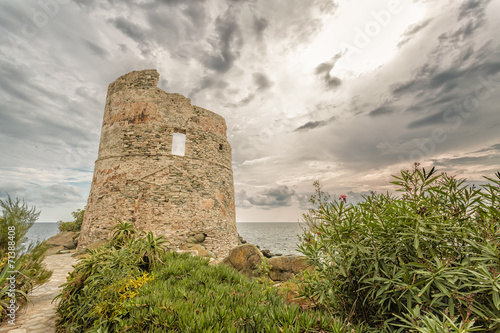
x,y
138,180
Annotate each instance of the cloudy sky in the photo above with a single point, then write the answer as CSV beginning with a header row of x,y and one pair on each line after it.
x,y
346,92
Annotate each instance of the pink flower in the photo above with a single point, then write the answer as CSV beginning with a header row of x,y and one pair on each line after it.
x,y
343,198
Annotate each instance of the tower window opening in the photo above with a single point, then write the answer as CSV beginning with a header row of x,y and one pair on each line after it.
x,y
179,144
221,147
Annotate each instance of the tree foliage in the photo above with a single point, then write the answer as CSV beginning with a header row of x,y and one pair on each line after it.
x,y
75,225
25,264
435,250
15,214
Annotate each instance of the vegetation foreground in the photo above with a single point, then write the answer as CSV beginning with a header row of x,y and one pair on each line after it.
x,y
134,285
21,267
425,261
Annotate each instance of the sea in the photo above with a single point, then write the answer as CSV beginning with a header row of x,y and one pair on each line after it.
x,y
278,237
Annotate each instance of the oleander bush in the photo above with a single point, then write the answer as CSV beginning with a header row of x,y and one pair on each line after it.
x,y
135,285
427,260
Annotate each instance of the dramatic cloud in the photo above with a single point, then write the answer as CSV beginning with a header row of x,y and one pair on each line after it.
x,y
262,81
412,31
323,71
270,198
344,92
314,124
381,110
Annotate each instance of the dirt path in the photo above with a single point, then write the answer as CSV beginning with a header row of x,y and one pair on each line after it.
x,y
39,315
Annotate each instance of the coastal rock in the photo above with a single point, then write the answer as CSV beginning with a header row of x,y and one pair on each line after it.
x,y
281,269
200,238
70,245
202,252
63,239
245,259
286,267
299,264
241,240
267,253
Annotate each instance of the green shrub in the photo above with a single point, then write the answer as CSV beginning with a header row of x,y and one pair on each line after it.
x,y
436,247
15,216
25,264
113,290
75,225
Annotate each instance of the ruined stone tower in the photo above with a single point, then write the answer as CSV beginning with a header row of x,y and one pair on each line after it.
x,y
164,165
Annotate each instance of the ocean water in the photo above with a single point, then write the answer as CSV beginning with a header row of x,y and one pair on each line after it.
x,y
41,231
276,237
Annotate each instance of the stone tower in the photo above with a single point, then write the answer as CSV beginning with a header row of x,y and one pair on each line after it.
x,y
164,165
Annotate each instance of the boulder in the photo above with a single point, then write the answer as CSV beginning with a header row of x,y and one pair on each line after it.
x,y
200,238
281,269
214,262
281,263
286,267
202,252
70,245
187,246
267,253
196,239
241,240
300,264
245,259
62,238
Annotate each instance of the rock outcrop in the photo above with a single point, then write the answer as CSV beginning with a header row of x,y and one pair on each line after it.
x,y
286,267
67,240
246,259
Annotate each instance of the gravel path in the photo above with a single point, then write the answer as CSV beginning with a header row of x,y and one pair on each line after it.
x,y
39,315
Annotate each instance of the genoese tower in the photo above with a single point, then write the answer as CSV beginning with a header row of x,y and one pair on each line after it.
x,y
164,165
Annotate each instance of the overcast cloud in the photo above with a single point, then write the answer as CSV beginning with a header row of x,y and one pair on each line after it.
x,y
346,92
